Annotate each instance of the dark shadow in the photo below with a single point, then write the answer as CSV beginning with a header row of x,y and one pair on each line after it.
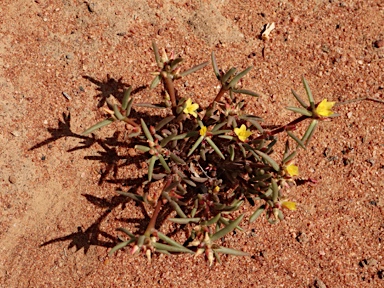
x,y
108,155
90,236
111,87
64,130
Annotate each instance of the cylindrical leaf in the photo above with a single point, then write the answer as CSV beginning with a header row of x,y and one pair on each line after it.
x,y
146,130
214,64
217,150
98,126
127,94
298,98
184,220
301,111
171,248
193,69
221,233
269,160
257,213
309,94
231,251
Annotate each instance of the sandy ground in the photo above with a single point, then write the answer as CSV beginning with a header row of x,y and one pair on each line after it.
x,y
58,188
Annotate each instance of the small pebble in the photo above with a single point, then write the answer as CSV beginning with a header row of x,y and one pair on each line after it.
x,y
91,7
378,43
12,179
319,284
16,133
66,95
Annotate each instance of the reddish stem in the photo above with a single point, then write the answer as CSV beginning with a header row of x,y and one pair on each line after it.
x,y
282,128
152,222
170,88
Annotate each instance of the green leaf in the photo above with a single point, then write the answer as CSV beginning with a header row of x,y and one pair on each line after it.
x,y
177,159
226,222
120,245
217,132
126,232
164,163
212,220
98,126
170,187
197,143
142,148
215,67
231,152
151,166
213,145
269,160
254,122
193,69
227,75
169,240
157,55
169,248
257,213
167,139
246,92
289,157
184,220
127,94
135,197
231,251
308,134
129,107
164,122
301,111
175,62
155,82
221,233
275,190
177,208
218,126
236,79
146,130
293,136
309,94
298,98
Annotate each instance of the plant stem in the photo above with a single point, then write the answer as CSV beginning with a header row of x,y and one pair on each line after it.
x,y
217,99
282,128
131,122
152,222
155,214
170,88
219,95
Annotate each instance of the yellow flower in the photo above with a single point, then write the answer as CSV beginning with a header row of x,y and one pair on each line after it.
x,y
216,189
292,170
242,132
190,108
203,131
324,108
289,205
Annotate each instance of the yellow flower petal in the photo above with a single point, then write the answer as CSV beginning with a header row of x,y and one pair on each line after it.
x,y
324,108
203,131
242,132
289,205
190,108
292,170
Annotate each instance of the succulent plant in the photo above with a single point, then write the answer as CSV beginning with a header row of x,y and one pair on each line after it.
x,y
210,161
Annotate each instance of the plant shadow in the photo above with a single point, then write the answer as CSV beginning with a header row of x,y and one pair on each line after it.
x,y
110,157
